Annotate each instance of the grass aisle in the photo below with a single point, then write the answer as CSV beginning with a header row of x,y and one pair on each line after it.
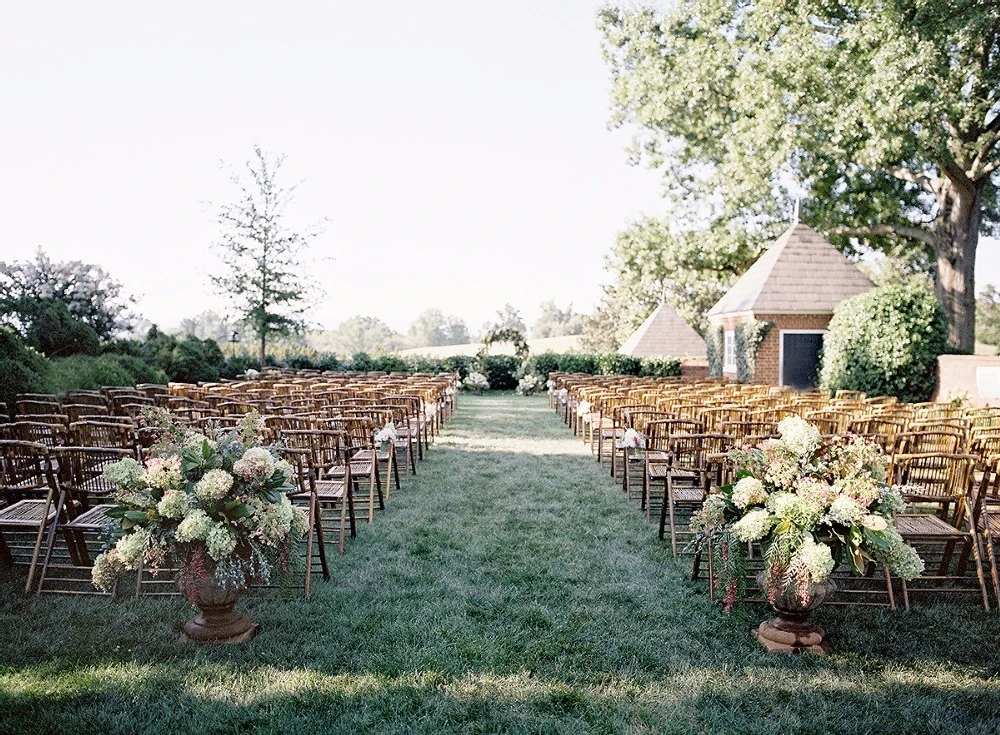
x,y
508,588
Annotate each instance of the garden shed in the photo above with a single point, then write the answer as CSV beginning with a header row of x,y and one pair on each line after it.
x,y
664,334
769,326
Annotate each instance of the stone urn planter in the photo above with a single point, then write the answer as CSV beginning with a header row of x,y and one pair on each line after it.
x,y
217,621
793,630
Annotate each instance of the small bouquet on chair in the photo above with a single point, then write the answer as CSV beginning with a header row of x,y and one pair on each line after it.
x,y
631,439
385,435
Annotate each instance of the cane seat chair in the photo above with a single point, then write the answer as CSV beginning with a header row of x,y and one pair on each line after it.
x,y
687,481
28,481
935,481
947,545
51,435
946,441
103,434
362,458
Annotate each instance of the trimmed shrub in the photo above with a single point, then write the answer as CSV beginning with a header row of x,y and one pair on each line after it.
x,y
239,364
547,362
715,347
22,369
886,342
54,332
612,363
362,362
391,364
83,372
579,363
501,371
461,364
196,361
660,367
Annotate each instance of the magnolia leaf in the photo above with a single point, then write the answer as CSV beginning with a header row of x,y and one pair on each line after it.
x,y
117,512
136,516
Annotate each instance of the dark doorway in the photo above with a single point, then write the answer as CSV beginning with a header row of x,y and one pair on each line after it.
x,y
800,359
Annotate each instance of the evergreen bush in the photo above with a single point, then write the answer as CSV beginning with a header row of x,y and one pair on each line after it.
x,y
886,342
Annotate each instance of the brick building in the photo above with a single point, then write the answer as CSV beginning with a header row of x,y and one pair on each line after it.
x,y
795,285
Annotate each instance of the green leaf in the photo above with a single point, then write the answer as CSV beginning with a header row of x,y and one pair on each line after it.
x,y
117,512
136,516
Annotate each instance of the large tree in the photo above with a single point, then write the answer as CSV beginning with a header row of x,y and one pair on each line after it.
x,y
432,328
357,334
29,289
556,322
884,114
263,258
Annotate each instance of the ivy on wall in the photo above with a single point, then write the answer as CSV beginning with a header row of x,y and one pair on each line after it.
x,y
715,346
748,337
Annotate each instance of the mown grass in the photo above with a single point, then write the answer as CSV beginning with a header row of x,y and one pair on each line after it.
x,y
509,588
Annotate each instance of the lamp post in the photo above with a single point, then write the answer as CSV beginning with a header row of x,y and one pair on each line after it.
x,y
234,340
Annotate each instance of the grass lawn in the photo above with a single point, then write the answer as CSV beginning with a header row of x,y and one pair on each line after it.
x,y
509,588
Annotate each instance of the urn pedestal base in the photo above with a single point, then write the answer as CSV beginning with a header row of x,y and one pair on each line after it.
x,y
217,621
236,628
787,634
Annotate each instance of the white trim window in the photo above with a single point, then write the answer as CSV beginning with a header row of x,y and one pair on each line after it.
x,y
729,351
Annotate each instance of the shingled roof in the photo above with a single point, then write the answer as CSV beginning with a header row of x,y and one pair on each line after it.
x,y
664,334
801,273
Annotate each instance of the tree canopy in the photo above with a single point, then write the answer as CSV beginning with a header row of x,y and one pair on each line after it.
x,y
432,328
556,322
650,264
29,289
885,115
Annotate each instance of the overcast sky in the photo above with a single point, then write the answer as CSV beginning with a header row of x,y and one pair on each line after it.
x,y
459,149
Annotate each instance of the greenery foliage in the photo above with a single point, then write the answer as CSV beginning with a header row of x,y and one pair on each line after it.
x,y
54,332
715,347
886,342
556,322
748,337
22,369
501,371
602,364
988,316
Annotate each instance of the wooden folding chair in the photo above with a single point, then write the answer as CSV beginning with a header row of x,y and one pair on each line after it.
x,y
36,499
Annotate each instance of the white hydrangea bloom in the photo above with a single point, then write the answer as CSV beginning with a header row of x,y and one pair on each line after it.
x,y
754,526
174,504
214,485
845,510
799,435
194,527
131,548
749,491
165,473
255,464
221,542
125,473
814,558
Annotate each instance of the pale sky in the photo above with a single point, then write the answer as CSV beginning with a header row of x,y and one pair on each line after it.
x,y
459,149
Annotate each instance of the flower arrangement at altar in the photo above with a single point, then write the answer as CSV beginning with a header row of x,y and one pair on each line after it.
x,y
476,382
216,504
529,385
811,504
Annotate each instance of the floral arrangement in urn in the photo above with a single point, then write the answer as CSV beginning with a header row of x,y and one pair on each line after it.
x,y
217,505
476,382
529,385
811,504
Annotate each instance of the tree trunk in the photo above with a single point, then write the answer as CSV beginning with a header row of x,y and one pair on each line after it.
x,y
957,229
263,347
